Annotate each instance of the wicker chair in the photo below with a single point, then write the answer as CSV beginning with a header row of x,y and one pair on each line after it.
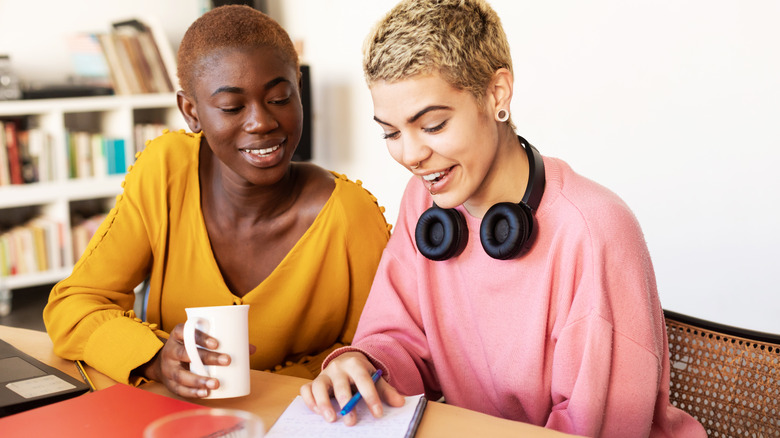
x,y
726,377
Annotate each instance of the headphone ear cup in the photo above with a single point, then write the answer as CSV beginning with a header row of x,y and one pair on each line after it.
x,y
505,229
441,233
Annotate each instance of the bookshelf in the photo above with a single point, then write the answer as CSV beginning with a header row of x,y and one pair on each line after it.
x,y
64,194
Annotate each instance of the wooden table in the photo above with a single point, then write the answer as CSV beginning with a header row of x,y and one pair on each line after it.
x,y
271,393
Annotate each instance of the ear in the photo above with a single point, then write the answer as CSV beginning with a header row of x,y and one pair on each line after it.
x,y
500,90
189,110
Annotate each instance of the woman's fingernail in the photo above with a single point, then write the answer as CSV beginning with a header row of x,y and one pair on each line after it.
x,y
202,393
224,360
330,416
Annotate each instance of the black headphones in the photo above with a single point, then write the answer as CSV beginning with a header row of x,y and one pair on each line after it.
x,y
505,230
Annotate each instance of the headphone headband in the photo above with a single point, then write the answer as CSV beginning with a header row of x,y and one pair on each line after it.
x,y
535,189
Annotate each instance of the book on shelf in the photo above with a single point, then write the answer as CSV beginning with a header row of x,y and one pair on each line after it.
x,y
22,260
7,251
82,232
164,49
14,163
40,248
35,246
139,57
6,268
116,156
99,165
27,160
5,169
81,154
30,161
126,63
92,155
35,148
53,240
89,155
28,254
147,60
119,77
146,131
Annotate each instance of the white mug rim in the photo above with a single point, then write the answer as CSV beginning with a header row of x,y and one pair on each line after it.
x,y
214,412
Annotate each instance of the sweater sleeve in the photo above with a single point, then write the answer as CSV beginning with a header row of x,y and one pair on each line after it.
x,y
366,236
608,355
89,314
604,384
390,332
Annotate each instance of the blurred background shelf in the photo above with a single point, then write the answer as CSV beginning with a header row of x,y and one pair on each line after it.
x,y
76,184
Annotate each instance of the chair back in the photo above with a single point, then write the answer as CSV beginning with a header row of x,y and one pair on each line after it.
x,y
726,377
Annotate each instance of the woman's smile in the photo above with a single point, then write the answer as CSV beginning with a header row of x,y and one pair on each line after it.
x,y
437,182
264,156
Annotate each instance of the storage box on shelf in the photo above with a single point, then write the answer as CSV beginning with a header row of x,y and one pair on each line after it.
x,y
81,148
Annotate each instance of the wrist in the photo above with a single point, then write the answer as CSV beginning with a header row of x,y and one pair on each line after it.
x,y
149,370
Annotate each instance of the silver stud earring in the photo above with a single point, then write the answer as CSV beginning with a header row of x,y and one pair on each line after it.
x,y
502,115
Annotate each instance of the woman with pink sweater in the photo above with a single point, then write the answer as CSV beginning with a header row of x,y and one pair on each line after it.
x,y
511,284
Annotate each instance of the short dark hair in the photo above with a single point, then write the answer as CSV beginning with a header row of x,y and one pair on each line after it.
x,y
229,26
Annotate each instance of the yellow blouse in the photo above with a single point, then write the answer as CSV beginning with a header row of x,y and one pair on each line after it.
x,y
307,307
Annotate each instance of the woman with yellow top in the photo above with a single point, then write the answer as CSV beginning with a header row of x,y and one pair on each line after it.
x,y
221,216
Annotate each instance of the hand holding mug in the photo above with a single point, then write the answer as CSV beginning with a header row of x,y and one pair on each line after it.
x,y
171,365
229,325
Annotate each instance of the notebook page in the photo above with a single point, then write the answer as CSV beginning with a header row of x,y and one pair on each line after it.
x,y
298,421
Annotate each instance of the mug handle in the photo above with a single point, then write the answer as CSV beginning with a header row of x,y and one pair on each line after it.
x,y
196,365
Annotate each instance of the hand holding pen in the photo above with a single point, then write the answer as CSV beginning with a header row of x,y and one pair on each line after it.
x,y
345,372
356,398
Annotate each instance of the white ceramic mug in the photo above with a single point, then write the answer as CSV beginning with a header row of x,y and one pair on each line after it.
x,y
230,326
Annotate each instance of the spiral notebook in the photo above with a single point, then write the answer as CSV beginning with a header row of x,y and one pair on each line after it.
x,y
298,421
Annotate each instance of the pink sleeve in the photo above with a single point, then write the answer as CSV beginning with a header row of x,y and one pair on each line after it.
x,y
604,384
608,362
390,331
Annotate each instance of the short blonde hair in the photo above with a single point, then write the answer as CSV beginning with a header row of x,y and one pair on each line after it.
x,y
229,27
462,40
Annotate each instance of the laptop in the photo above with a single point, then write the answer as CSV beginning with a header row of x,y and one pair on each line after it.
x,y
26,382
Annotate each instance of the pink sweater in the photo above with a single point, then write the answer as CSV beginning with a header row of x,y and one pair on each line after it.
x,y
570,336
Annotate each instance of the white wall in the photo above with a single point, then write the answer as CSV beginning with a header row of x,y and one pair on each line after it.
x,y
670,104
34,33
673,105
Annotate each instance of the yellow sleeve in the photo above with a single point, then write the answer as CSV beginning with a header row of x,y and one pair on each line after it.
x,y
89,314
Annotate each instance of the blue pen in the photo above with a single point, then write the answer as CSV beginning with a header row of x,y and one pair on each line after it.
x,y
356,398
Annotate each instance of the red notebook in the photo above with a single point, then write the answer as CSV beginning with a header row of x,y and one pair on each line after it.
x,y
117,411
